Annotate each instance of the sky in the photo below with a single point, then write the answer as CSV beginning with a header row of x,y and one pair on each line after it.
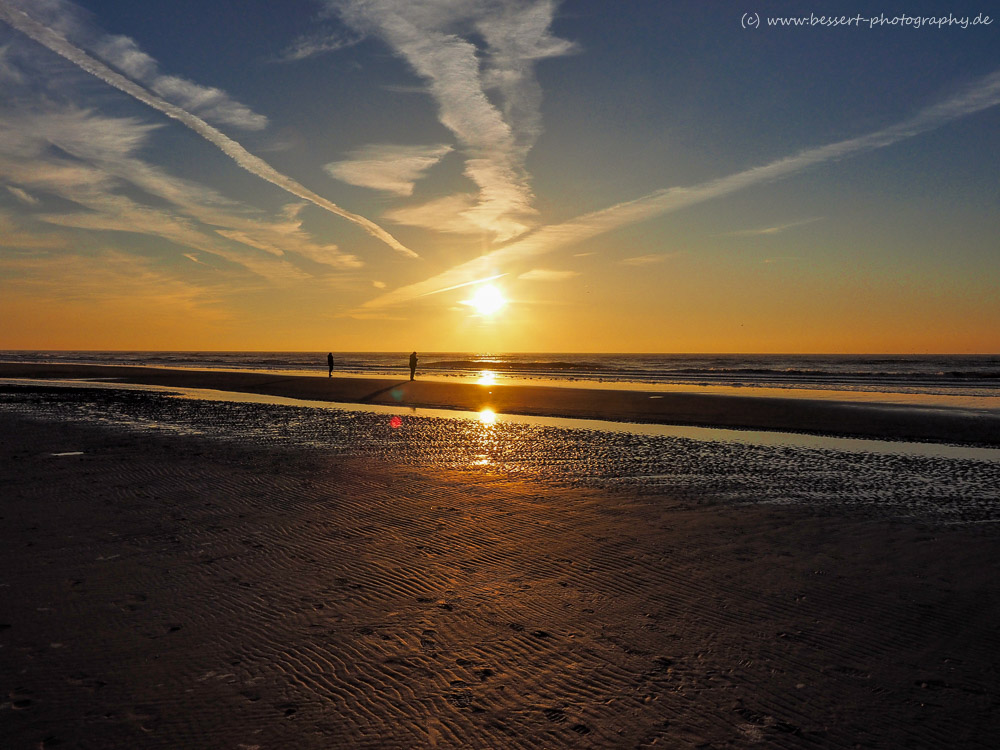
x,y
640,176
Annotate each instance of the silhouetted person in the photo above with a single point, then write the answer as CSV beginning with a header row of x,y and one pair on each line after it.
x,y
329,363
413,365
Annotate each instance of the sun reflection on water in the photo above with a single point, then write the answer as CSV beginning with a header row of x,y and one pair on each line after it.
x,y
487,377
485,444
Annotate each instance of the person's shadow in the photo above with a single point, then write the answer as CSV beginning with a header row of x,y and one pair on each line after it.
x,y
380,391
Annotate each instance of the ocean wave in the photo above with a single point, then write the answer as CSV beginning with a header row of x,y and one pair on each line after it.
x,y
508,366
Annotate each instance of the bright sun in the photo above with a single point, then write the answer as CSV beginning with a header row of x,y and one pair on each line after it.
x,y
487,300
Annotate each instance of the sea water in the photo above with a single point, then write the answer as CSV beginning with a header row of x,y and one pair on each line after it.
x,y
943,375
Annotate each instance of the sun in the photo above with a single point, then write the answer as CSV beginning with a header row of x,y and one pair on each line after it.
x,y
487,300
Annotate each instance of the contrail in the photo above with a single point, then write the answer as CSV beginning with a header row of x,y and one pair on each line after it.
x,y
255,165
983,94
469,283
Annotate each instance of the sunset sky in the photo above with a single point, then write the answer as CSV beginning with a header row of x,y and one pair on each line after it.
x,y
636,176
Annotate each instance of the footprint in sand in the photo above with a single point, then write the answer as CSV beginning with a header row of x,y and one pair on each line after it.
x,y
554,714
460,699
81,679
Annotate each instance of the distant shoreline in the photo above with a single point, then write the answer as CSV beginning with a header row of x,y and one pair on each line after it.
x,y
888,421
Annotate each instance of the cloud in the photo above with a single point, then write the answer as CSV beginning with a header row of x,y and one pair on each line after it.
x,y
88,159
210,103
22,196
769,230
440,41
981,95
8,71
251,241
446,214
646,260
14,235
474,281
378,284
108,278
319,43
56,42
389,167
541,274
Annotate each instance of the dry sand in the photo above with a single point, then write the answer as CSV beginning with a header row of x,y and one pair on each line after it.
x,y
181,592
890,421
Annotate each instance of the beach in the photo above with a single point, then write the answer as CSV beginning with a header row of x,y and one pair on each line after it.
x,y
181,573
835,415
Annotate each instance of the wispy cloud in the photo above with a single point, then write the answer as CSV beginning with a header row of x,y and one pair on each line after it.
x,y
543,274
8,71
764,231
494,277
386,166
107,284
56,42
318,43
447,214
981,95
13,234
89,159
207,102
22,195
439,41
646,260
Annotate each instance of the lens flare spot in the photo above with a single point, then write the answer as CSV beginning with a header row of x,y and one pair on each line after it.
x,y
488,417
396,422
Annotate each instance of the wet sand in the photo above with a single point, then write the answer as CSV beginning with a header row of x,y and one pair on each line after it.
x,y
165,591
892,421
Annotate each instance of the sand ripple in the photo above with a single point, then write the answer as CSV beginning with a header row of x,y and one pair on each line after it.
x,y
381,589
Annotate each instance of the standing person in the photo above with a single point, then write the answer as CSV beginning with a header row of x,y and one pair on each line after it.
x,y
413,365
329,363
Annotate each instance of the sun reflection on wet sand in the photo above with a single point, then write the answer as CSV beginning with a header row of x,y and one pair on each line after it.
x,y
487,377
488,437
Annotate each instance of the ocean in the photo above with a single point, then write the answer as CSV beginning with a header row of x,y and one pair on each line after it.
x,y
945,375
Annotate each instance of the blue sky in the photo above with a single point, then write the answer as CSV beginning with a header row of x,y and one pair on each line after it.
x,y
639,176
